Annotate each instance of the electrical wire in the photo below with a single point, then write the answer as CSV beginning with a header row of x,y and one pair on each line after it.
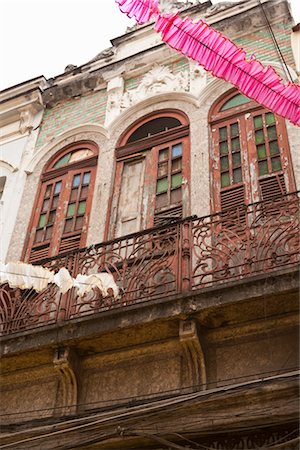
x,y
281,57
121,401
117,416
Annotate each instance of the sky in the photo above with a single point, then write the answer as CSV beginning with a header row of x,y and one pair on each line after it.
x,y
41,37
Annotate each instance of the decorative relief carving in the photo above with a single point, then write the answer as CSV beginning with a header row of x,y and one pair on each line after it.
x,y
158,80
189,339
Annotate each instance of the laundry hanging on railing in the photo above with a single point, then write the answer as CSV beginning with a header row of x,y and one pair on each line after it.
x,y
220,56
27,276
102,281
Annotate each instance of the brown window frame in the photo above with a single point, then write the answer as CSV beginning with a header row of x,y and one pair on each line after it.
x,y
252,181
61,240
141,149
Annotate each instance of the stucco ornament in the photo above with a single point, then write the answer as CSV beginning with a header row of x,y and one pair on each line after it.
x,y
158,80
26,119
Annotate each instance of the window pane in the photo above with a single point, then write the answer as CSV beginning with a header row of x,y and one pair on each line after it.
x,y
163,169
74,195
48,191
87,178
68,225
54,202
258,122
62,161
274,148
176,181
235,144
236,159
39,236
223,148
48,232
224,163
261,151
223,134
45,206
162,185
276,164
79,223
272,133
81,208
225,180
270,118
237,175
176,164
237,100
76,181
42,221
163,154
234,129
176,150
161,200
52,216
259,137
84,192
176,196
77,155
263,167
71,210
57,188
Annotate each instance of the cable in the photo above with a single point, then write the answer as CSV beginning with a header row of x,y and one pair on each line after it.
x,y
158,396
284,65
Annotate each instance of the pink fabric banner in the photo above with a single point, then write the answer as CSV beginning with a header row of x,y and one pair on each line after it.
x,y
220,56
141,10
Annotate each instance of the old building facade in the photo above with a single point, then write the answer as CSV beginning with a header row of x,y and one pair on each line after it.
x,y
142,165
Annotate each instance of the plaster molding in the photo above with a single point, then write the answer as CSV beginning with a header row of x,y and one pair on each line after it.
x,y
9,167
65,363
88,131
157,101
190,341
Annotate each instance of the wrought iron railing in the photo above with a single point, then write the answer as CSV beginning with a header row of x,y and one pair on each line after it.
x,y
165,261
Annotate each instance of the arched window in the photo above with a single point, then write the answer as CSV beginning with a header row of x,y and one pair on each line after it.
x,y
152,173
62,207
251,158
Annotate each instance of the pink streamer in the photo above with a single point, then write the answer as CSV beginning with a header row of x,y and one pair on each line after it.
x,y
221,57
141,10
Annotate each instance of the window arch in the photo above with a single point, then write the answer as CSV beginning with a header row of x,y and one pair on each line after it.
x,y
152,173
251,158
62,207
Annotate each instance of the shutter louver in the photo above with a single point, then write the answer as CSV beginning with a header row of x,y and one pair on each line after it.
x,y
233,208
166,216
273,186
69,243
39,253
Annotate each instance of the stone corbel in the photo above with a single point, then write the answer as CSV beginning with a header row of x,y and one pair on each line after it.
x,y
26,120
65,363
190,341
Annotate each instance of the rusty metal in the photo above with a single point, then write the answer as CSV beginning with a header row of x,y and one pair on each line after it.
x,y
164,261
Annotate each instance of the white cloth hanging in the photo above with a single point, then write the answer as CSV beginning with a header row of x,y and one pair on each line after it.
x,y
63,280
3,273
103,281
26,276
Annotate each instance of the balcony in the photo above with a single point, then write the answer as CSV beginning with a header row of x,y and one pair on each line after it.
x,y
177,259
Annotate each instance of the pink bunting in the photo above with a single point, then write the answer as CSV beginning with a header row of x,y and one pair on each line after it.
x,y
220,56
141,10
